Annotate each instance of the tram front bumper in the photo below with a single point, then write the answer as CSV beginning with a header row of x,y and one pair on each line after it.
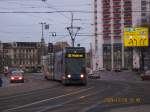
x,y
75,81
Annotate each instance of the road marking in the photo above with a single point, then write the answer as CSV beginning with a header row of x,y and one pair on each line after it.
x,y
61,104
84,96
34,103
49,107
26,93
90,107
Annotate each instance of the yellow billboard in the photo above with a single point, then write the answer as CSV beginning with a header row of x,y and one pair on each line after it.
x,y
136,37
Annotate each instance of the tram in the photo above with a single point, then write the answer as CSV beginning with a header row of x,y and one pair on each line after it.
x,y
67,66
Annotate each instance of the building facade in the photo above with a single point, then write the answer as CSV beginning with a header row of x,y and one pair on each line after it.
x,y
1,56
59,46
97,38
110,17
26,55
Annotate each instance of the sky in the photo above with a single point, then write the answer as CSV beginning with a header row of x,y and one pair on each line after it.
x,y
17,25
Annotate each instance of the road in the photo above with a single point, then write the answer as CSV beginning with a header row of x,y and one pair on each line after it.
x,y
100,95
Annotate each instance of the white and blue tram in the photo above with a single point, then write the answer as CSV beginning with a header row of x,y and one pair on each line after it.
x,y
69,66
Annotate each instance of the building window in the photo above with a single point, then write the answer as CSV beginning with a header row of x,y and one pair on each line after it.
x,y
143,8
127,15
127,2
143,3
116,3
143,14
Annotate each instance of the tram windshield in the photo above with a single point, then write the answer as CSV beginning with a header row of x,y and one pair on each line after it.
x,y
75,66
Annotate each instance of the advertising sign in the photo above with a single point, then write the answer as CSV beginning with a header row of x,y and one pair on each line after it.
x,y
136,37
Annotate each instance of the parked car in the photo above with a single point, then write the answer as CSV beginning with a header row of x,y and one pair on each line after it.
x,y
117,69
15,69
16,76
146,75
94,75
8,72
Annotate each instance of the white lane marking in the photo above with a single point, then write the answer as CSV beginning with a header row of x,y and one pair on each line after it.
x,y
84,96
69,101
28,93
25,94
61,104
90,107
49,107
27,105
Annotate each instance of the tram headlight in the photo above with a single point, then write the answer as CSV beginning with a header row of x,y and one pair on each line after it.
x,y
82,76
69,76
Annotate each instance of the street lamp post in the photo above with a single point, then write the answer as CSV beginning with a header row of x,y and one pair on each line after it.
x,y
112,53
43,23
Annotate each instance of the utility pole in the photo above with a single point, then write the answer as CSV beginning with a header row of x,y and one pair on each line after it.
x,y
71,29
91,56
123,52
42,49
112,53
43,23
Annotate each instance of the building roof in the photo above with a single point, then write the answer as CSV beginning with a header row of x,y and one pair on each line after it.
x,y
7,45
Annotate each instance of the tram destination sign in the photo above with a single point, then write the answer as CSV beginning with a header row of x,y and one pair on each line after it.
x,y
75,55
136,37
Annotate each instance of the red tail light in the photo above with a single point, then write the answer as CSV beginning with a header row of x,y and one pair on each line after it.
x,y
20,78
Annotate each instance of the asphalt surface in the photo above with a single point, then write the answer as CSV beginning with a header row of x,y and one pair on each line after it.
x,y
100,95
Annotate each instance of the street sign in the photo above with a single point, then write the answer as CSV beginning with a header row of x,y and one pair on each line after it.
x,y
135,37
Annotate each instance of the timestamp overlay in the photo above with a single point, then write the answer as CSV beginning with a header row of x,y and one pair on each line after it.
x,y
122,100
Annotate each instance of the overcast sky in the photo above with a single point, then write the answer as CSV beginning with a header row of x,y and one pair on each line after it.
x,y
26,27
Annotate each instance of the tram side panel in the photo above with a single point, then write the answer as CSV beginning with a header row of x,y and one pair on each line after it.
x,y
48,66
58,66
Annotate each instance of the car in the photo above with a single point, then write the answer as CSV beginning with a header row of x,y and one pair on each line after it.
x,y
90,72
94,75
102,69
146,75
1,82
117,69
13,69
16,76
8,72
